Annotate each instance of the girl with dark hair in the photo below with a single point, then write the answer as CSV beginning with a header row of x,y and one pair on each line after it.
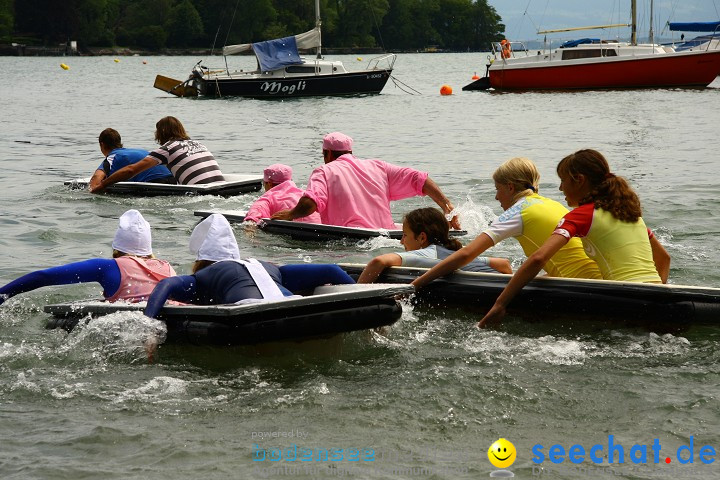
x,y
607,220
426,240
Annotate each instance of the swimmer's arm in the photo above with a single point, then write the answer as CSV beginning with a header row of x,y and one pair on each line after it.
x,y
181,288
377,265
661,258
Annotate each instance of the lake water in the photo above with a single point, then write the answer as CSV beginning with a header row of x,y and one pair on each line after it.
x,y
431,396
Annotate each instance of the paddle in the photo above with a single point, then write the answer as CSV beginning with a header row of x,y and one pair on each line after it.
x,y
175,87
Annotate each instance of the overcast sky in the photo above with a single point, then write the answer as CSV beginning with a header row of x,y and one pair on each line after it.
x,y
523,18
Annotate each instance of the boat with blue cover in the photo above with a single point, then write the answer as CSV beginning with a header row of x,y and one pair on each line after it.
x,y
282,73
701,42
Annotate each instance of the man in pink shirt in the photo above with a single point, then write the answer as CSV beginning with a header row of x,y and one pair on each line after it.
x,y
352,192
280,193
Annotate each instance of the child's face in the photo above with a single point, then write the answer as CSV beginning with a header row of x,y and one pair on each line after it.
x,y
412,242
504,194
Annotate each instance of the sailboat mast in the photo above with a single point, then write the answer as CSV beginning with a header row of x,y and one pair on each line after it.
x,y
652,34
633,14
317,25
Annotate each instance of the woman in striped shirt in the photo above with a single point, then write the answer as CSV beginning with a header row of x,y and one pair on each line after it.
x,y
189,161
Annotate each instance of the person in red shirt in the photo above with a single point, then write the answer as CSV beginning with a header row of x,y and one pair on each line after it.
x,y
609,223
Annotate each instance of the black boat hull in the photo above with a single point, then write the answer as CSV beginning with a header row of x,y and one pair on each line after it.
x,y
352,83
314,231
661,307
345,308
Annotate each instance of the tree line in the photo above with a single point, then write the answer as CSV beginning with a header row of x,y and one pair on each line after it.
x,y
393,25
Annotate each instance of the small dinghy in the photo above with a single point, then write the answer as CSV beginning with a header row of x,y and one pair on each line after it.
x,y
233,185
666,307
330,310
314,231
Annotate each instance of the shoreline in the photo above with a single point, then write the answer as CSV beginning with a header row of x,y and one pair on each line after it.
x,y
17,50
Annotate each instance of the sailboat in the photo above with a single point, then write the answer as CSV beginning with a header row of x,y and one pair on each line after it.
x,y
593,63
702,42
282,73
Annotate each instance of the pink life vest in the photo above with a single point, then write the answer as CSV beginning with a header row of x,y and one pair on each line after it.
x,y
138,277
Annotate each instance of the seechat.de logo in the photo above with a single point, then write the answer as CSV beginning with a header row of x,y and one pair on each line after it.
x,y
502,454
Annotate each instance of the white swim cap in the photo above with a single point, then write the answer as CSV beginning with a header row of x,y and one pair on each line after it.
x,y
214,240
133,234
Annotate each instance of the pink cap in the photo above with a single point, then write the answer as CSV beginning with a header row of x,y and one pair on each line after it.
x,y
338,142
277,173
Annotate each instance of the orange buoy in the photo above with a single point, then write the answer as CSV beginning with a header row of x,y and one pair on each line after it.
x,y
446,90
475,77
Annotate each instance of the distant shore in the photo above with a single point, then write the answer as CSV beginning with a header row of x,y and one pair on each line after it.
x,y
16,50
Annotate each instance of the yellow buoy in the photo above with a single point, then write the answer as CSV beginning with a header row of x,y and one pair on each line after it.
x,y
359,59
117,60
64,67
446,90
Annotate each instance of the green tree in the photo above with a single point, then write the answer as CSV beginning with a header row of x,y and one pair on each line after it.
x,y
358,21
89,25
392,24
7,19
184,25
141,23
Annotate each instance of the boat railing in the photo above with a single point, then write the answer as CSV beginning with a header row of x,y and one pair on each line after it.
x,y
388,60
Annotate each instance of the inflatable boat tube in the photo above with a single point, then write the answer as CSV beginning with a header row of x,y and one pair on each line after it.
x,y
314,231
328,311
233,185
641,304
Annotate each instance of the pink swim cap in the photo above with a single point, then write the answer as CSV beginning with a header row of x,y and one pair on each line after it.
x,y
277,173
337,142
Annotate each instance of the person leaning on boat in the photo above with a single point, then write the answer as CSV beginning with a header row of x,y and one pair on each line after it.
x,y
351,192
220,276
529,218
131,274
280,193
426,239
117,157
608,220
190,162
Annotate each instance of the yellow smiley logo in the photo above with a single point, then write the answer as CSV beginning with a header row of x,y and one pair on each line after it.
x,y
502,453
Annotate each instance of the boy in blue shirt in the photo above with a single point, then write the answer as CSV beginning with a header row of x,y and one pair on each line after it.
x,y
117,157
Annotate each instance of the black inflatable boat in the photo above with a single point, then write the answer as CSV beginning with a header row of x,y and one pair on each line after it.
x,y
329,310
314,231
233,185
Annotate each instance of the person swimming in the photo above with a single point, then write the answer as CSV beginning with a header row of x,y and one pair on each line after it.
x,y
131,274
280,193
221,276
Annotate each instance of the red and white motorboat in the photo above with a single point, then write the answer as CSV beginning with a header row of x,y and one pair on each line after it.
x,y
592,63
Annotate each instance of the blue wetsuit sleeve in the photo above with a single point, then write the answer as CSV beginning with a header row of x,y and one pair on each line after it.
x,y
104,271
305,276
181,288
